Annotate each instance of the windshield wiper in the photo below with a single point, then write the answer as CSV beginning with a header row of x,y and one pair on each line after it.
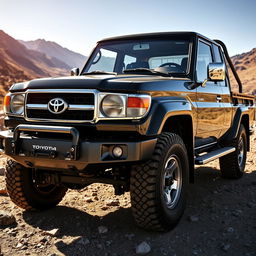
x,y
146,70
99,72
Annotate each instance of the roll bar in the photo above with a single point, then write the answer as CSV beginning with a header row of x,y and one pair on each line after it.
x,y
230,64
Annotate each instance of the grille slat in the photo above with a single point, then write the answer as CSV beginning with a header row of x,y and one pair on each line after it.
x,y
72,99
67,115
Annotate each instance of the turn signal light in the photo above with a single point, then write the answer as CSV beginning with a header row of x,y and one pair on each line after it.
x,y
137,106
136,102
7,102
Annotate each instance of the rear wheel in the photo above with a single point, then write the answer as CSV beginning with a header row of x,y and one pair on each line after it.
x,y
158,187
232,165
25,192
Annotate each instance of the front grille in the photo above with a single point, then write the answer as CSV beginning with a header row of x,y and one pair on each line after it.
x,y
80,106
70,98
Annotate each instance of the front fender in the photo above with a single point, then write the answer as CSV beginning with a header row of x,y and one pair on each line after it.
x,y
162,110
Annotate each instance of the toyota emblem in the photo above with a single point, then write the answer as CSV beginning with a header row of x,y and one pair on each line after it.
x,y
57,106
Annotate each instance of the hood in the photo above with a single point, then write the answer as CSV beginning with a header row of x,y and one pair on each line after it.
x,y
118,83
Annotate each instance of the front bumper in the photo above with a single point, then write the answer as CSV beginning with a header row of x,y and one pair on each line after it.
x,y
55,153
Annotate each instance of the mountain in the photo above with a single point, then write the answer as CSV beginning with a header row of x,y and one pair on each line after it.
x,y
17,63
57,52
245,65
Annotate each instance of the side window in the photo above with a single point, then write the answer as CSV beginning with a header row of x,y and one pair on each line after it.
x,y
218,58
217,54
204,57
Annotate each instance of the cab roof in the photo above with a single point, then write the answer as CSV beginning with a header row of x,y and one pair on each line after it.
x,y
156,35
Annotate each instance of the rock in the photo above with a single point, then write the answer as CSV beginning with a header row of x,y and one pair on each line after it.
x,y
250,205
113,202
193,218
230,230
1,171
3,191
109,242
143,248
53,232
104,208
88,200
129,236
19,245
225,247
237,213
45,239
195,252
12,232
6,218
102,229
99,246
83,241
40,246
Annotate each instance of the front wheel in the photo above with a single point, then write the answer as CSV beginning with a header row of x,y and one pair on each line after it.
x,y
158,187
26,193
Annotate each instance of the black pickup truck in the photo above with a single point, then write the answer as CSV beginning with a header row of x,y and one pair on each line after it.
x,y
140,114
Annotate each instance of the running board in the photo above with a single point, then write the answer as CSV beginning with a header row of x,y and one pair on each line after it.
x,y
204,159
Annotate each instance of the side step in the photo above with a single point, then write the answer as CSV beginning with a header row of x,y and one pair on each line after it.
x,y
204,159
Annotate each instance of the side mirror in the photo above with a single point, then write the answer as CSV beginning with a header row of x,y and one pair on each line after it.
x,y
74,72
216,72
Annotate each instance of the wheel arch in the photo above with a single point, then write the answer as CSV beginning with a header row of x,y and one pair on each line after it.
x,y
245,123
182,125
241,117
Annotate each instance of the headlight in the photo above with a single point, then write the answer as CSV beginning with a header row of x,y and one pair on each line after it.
x,y
129,106
113,105
17,104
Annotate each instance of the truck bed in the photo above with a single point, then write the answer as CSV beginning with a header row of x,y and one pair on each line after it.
x,y
242,98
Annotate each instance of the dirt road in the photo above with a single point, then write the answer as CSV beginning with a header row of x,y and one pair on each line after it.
x,y
220,219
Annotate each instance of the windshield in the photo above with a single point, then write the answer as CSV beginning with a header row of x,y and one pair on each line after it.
x,y
169,56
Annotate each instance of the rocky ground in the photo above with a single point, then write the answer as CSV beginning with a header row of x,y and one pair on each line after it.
x,y
220,219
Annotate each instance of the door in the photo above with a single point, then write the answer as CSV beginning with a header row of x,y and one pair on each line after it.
x,y
226,101
209,112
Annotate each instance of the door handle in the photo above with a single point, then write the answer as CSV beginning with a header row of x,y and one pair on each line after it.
x,y
218,98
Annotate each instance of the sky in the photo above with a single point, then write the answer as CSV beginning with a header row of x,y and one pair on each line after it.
x,y
79,24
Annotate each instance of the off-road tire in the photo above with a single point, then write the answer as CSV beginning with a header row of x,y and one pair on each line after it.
x,y
149,208
229,164
23,191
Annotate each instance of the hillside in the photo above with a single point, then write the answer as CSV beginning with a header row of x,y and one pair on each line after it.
x,y
54,50
41,59
245,65
17,63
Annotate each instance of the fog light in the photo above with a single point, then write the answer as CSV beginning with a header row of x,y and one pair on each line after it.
x,y
117,151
